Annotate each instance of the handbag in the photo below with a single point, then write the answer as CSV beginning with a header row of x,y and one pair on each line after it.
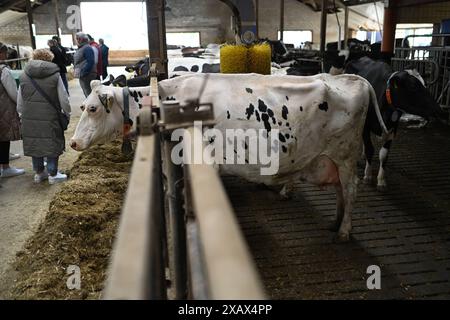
x,y
62,117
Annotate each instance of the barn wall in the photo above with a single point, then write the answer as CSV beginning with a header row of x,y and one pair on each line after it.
x,y
428,13
300,16
211,18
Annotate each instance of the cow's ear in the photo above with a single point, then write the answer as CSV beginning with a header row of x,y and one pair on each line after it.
x,y
95,83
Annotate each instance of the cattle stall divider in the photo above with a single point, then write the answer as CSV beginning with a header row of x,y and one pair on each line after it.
x,y
201,249
432,62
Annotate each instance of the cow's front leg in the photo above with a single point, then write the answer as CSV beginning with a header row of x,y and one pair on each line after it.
x,y
349,183
381,179
369,151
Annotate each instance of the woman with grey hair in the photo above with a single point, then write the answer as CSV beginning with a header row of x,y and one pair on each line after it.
x,y
41,99
9,119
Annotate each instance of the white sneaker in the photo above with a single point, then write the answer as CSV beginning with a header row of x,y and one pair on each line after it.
x,y
13,156
60,177
39,177
11,172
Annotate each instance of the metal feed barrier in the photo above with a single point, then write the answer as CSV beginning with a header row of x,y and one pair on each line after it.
x,y
433,63
201,249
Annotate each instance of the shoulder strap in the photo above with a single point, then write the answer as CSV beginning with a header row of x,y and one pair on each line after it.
x,y
39,89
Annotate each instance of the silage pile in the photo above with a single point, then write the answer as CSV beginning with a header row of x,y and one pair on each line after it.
x,y
79,229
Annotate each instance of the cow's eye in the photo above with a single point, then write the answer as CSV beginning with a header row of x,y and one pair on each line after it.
x,y
82,108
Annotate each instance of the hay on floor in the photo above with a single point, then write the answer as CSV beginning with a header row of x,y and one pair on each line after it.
x,y
79,229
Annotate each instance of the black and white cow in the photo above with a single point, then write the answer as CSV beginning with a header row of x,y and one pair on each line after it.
x,y
317,121
397,93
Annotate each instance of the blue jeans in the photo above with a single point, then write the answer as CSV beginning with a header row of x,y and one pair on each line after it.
x,y
52,164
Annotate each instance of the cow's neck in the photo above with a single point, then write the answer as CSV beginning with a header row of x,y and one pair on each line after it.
x,y
135,97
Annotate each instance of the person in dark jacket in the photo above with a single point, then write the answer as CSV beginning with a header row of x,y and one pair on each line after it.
x,y
105,52
60,61
84,63
42,133
9,119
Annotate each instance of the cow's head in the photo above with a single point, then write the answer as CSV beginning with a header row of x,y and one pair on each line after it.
x,y
408,92
101,118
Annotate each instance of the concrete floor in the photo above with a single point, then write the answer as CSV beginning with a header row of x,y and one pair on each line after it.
x,y
23,204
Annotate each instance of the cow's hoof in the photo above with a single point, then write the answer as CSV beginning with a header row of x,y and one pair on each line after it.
x,y
334,226
341,238
382,188
367,180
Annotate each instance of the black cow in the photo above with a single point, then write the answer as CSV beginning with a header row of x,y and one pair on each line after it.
x,y
398,93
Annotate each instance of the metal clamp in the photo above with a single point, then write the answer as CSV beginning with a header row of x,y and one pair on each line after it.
x,y
174,115
146,122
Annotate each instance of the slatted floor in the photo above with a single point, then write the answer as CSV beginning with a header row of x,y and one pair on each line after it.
x,y
405,231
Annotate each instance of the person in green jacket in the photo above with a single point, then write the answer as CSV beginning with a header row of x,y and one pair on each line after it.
x,y
42,133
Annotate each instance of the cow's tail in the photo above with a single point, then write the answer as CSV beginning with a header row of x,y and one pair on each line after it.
x,y
374,100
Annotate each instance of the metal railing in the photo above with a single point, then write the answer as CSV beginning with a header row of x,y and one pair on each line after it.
x,y
201,245
433,63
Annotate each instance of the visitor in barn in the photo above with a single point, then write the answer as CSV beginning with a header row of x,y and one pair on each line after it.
x,y
105,52
84,63
97,55
41,97
9,119
59,60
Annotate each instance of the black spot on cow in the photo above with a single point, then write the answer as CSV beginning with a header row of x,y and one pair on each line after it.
x,y
257,116
265,119
211,68
195,68
301,108
271,115
140,94
287,98
262,106
280,123
284,149
180,68
249,90
171,98
249,111
287,135
284,112
228,114
140,106
212,139
323,106
281,137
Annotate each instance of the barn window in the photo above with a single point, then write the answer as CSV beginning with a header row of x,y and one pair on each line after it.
x,y
41,40
404,30
296,37
186,39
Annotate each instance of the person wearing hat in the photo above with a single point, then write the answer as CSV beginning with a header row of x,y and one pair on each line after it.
x,y
9,118
85,67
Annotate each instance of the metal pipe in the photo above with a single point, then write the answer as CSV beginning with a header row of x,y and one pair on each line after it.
x,y
156,31
56,8
174,175
281,19
323,27
346,12
31,23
